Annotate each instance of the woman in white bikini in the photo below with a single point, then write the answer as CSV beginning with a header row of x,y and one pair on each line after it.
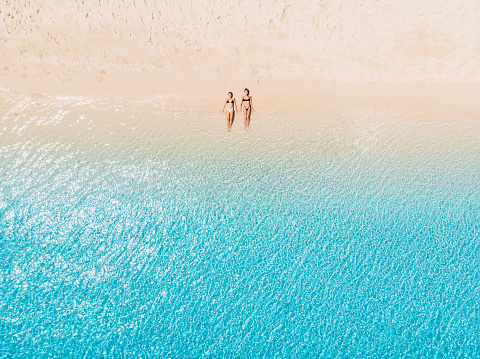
x,y
247,106
231,106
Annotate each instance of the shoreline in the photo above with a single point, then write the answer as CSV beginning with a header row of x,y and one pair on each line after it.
x,y
278,96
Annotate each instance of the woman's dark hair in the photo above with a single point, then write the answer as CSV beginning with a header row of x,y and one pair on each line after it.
x,y
248,91
231,93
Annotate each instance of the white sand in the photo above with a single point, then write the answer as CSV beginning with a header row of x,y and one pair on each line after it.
x,y
303,54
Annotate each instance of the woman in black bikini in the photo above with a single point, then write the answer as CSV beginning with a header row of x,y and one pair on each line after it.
x,y
230,103
247,106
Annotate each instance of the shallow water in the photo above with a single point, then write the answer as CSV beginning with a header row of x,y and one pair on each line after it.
x,y
130,231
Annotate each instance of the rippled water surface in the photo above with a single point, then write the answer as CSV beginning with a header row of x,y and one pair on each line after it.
x,y
129,231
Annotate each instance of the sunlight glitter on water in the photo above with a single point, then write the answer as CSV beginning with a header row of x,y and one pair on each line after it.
x,y
129,230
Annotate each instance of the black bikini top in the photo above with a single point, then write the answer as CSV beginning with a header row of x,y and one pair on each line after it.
x,y
243,99
230,101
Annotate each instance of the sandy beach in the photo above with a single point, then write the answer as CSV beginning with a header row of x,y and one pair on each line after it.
x,y
294,55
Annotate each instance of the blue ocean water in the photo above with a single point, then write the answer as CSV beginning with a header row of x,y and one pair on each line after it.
x,y
135,232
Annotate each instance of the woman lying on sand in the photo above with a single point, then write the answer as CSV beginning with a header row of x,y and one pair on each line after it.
x,y
247,106
229,104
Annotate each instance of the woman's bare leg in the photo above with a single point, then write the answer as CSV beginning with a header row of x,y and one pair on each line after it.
x,y
246,120
230,117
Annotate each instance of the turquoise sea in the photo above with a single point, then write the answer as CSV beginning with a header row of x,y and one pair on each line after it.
x,y
130,231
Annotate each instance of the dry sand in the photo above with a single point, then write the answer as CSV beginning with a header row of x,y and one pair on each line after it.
x,y
298,55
